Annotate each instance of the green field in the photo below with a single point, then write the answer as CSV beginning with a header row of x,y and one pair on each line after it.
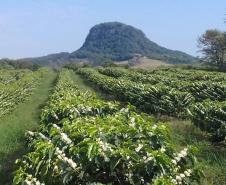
x,y
94,125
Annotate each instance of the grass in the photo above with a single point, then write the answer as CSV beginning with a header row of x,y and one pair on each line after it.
x,y
211,157
13,126
80,82
84,85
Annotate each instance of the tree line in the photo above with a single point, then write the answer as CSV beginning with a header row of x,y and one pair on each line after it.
x,y
18,64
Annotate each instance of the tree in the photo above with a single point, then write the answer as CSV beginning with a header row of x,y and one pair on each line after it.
x,y
108,63
213,46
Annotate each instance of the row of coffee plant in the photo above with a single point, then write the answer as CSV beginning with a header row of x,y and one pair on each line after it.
x,y
17,88
174,99
163,75
155,99
210,116
202,85
84,140
8,76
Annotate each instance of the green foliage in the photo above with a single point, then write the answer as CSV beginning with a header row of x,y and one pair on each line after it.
x,y
16,87
113,72
109,63
157,99
77,103
111,146
213,46
172,92
75,66
16,64
210,116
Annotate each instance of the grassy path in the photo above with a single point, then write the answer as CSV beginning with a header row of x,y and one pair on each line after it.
x,y
13,126
82,85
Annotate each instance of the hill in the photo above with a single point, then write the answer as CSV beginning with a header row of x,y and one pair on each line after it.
x,y
119,41
115,41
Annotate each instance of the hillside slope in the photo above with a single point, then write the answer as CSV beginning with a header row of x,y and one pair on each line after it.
x,y
119,41
115,41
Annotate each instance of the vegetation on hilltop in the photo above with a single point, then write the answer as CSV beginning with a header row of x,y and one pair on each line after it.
x,y
119,41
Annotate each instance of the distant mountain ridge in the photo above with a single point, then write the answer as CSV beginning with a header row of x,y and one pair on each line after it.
x,y
116,41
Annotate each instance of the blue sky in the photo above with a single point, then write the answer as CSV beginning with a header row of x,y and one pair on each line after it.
x,y
30,28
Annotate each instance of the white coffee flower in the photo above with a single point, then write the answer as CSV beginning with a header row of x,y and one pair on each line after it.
x,y
56,126
55,169
140,146
187,173
182,175
180,155
148,159
65,138
174,161
162,149
43,137
174,181
178,178
177,159
28,182
132,124
30,133
184,153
